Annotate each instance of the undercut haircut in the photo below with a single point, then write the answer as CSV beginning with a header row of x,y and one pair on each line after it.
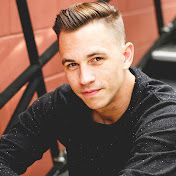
x,y
80,14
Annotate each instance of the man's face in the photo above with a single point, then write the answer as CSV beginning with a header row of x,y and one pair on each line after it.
x,y
94,63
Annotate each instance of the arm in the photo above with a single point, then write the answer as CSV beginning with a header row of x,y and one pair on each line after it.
x,y
154,149
29,138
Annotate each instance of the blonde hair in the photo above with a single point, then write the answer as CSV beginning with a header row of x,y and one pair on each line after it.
x,y
80,14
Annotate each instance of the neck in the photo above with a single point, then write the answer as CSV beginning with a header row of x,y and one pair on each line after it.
x,y
114,111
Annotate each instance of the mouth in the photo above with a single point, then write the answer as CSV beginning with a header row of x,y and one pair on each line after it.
x,y
90,93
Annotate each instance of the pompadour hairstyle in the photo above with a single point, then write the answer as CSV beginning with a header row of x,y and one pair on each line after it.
x,y
80,14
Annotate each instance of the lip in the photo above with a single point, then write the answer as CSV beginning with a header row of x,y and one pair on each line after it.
x,y
89,93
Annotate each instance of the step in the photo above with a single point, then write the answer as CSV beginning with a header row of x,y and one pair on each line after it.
x,y
165,53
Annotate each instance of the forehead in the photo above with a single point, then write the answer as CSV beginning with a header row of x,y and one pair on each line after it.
x,y
95,36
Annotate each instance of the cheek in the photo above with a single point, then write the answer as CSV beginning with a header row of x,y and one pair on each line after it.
x,y
72,79
109,72
114,77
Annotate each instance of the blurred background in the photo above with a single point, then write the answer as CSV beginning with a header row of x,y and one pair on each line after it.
x,y
29,64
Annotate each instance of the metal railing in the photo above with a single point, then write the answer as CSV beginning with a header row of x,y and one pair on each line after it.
x,y
165,33
159,15
32,75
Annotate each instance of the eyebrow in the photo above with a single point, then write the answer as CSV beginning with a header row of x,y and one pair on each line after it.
x,y
88,55
95,53
67,60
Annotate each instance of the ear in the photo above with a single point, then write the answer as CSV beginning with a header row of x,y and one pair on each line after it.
x,y
128,54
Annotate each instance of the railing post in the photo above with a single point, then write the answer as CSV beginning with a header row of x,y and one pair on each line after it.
x,y
159,15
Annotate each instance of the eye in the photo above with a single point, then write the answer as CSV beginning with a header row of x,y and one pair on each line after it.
x,y
72,66
97,60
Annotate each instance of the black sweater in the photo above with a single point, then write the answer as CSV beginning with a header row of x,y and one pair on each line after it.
x,y
142,142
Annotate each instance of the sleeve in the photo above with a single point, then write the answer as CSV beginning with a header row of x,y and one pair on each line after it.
x,y
154,147
29,138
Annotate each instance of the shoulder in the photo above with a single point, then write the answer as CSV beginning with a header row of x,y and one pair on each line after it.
x,y
51,102
62,95
154,104
153,88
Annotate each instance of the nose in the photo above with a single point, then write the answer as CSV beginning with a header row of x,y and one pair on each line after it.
x,y
86,75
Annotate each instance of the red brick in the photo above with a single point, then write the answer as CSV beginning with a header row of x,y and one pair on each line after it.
x,y
126,5
42,12
4,17
169,10
40,167
141,27
139,52
7,110
44,38
55,81
67,3
14,59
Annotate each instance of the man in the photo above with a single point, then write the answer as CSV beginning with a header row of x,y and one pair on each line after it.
x,y
113,120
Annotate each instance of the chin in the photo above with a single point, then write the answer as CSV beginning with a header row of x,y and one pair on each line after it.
x,y
95,106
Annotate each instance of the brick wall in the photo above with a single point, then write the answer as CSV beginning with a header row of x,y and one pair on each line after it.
x,y
141,29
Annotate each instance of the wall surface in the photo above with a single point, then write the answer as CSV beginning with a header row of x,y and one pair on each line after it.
x,y
141,29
